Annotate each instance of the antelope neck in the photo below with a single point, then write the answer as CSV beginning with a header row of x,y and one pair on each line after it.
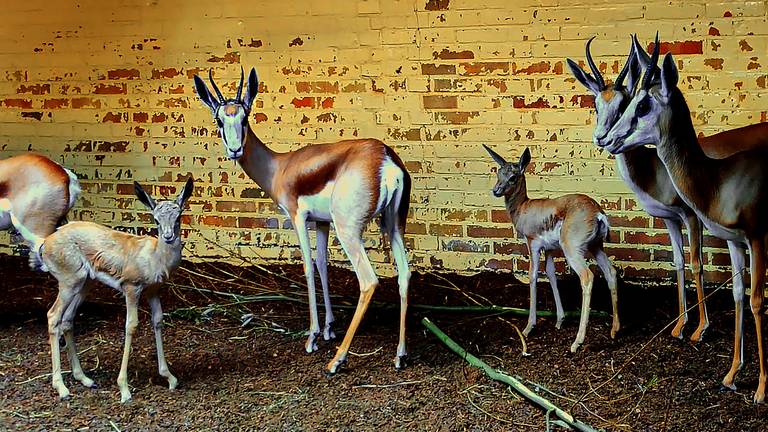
x,y
258,161
515,199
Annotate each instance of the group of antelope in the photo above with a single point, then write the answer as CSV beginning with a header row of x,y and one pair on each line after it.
x,y
717,181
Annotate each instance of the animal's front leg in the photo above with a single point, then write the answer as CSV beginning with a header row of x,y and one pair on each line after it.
x,y
157,327
131,321
300,224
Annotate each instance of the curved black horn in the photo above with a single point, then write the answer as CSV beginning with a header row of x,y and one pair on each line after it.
x,y
619,83
650,72
215,88
592,66
240,87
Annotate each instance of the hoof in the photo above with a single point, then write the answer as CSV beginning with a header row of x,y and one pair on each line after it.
x,y
758,398
559,324
172,382
401,362
124,399
334,366
575,347
527,330
328,333
727,388
65,397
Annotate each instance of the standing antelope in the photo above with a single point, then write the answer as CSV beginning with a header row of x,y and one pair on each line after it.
x,y
729,195
642,170
573,223
348,183
82,251
40,190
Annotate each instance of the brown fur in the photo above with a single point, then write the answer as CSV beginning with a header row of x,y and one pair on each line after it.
x,y
731,142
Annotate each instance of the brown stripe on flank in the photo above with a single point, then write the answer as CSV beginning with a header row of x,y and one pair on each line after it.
x,y
312,182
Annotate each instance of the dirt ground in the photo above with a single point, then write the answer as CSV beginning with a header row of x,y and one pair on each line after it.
x,y
249,372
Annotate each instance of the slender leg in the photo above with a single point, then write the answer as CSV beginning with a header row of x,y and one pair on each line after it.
x,y
695,239
533,274
403,279
757,271
586,278
157,327
55,314
676,236
610,276
737,267
351,241
67,328
300,224
550,269
321,262
131,321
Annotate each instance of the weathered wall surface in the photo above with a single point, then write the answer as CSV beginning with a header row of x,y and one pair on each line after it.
x,y
105,87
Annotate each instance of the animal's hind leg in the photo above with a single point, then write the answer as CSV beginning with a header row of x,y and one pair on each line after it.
x,y
68,329
552,276
55,314
321,262
610,276
400,256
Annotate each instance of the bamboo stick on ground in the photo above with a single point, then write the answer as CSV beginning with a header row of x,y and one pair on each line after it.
x,y
498,376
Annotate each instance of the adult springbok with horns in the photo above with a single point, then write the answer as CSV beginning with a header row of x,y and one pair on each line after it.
x,y
644,173
348,183
729,195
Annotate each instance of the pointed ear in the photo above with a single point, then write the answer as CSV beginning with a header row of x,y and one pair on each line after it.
x,y
669,75
185,193
251,90
205,95
496,157
143,196
584,78
525,159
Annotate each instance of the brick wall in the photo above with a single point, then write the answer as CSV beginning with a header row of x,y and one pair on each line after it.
x,y
105,88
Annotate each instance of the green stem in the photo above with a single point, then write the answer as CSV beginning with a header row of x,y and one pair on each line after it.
x,y
498,376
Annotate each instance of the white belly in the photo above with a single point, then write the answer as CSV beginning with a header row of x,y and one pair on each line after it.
x,y
318,206
549,240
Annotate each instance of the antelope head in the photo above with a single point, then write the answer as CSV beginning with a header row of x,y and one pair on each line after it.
x,y
231,115
610,99
167,214
648,115
509,173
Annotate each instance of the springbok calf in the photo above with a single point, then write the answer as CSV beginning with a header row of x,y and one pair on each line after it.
x,y
642,170
573,223
348,183
729,195
40,190
82,251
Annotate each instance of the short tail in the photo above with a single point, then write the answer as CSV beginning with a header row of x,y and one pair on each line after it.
x,y
74,188
603,227
34,242
405,197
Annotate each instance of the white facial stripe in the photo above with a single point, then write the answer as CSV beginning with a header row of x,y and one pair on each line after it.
x,y
230,119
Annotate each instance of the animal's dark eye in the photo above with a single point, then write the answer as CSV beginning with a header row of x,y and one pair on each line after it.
x,y
644,107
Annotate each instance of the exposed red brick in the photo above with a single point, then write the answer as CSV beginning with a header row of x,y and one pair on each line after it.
x,y
17,103
727,14
110,89
540,67
583,101
256,222
464,215
173,103
140,117
85,102
500,216
459,117
259,117
447,54
714,63
327,103
415,228
484,68
499,84
123,74
111,117
296,42
631,222
55,103
159,117
628,254
440,102
317,87
433,69
35,89
230,58
713,31
165,73
219,221
635,237
510,248
490,232
497,264
679,47
519,102
436,5
305,102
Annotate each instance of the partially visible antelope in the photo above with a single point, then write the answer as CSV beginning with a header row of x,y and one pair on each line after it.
x,y
642,170
348,183
81,251
41,191
573,223
729,195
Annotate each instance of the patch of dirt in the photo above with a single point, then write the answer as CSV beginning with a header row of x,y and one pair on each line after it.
x,y
257,376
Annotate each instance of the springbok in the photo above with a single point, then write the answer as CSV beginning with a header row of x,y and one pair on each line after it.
x,y
81,251
40,190
572,223
348,183
729,195
642,170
